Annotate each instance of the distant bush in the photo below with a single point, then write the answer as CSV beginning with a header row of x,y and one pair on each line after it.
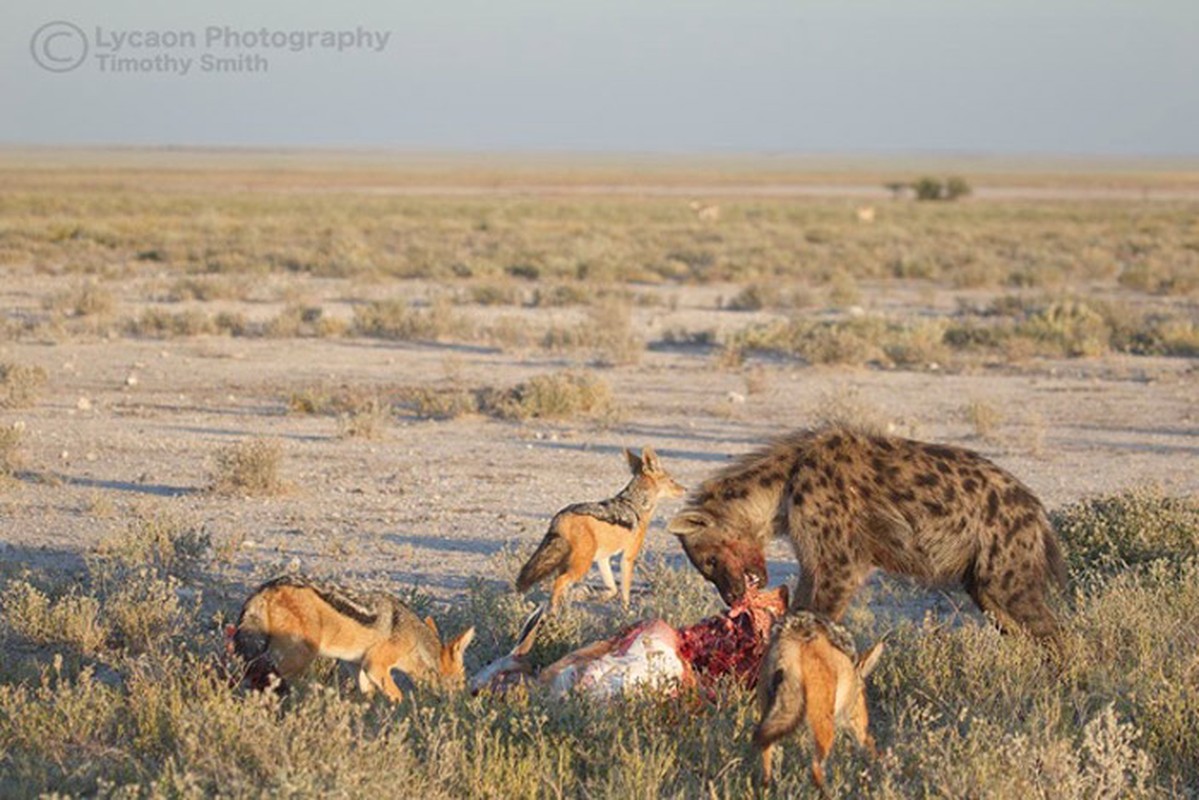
x,y
956,187
929,188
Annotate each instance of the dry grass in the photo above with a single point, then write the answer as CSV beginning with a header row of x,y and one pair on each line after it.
x,y
1094,277
20,385
398,319
569,394
248,468
983,418
557,395
110,688
10,448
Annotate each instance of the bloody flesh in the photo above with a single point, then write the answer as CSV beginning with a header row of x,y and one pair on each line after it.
x,y
736,641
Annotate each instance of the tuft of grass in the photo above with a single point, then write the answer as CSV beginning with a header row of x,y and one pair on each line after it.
x,y
844,406
157,323
447,403
607,331
20,385
982,417
760,296
557,395
85,300
366,422
248,468
397,319
70,619
155,539
10,448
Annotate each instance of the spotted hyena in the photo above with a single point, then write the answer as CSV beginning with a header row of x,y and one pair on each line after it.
x,y
851,501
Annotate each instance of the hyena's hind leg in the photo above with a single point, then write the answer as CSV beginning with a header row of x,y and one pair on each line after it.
x,y
1011,584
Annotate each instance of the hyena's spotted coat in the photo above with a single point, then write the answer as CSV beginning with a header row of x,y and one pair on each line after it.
x,y
850,502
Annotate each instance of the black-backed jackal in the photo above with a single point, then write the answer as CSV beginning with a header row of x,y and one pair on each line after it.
x,y
291,620
811,673
594,532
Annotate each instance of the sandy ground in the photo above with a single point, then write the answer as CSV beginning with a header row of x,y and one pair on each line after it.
x,y
123,422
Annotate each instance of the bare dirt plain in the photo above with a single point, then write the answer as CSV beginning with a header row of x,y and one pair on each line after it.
x,y
127,419
427,501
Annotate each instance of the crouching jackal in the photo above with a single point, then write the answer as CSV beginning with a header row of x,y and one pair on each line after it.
x,y
810,672
291,620
585,532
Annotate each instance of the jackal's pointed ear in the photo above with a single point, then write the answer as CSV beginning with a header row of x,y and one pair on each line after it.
x,y
869,660
650,459
635,465
433,627
458,646
528,632
688,522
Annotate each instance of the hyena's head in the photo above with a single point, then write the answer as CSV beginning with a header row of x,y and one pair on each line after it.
x,y
651,477
724,552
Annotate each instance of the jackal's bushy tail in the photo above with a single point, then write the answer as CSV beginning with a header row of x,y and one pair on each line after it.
x,y
784,706
549,556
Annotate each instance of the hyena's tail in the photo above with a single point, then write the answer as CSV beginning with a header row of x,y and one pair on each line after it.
x,y
783,707
1055,560
550,555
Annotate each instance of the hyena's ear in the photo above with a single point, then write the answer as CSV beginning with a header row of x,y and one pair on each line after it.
x,y
688,522
634,460
650,459
433,627
869,660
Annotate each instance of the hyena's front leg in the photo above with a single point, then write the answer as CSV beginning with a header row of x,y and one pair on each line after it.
x,y
828,581
830,570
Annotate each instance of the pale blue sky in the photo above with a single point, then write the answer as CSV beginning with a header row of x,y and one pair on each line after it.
x,y
846,76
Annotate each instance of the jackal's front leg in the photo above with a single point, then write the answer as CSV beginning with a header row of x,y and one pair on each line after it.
x,y
605,569
376,674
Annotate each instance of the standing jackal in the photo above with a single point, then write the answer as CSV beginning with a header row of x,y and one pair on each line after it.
x,y
850,502
585,532
291,620
810,673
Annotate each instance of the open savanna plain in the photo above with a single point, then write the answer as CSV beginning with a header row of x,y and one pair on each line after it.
x,y
391,372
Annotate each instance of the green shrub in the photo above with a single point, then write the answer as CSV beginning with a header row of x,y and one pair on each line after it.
x,y
1108,534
